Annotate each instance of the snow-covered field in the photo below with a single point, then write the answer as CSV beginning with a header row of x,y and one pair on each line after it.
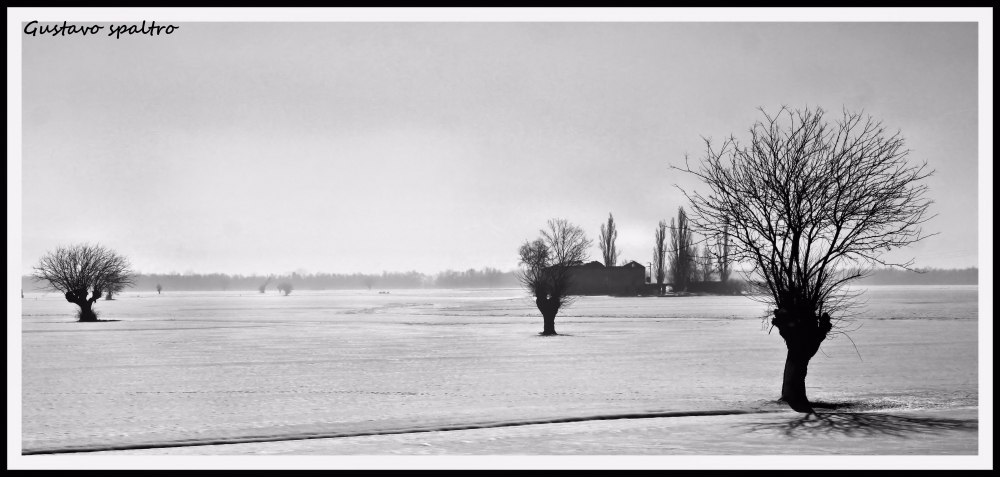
x,y
234,368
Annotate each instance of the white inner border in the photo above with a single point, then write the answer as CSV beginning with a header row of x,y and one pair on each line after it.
x,y
983,16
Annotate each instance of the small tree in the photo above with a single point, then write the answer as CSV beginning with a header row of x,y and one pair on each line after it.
x,y
159,288
112,291
369,280
79,270
263,287
607,240
285,287
545,268
810,207
659,268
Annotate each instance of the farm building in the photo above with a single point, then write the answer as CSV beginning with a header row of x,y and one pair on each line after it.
x,y
595,279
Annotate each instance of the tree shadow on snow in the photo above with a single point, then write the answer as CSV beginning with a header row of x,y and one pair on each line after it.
x,y
865,424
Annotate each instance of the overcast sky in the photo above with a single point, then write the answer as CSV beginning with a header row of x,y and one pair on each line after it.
x,y
363,147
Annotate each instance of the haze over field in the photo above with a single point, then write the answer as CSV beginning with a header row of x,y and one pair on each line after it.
x,y
242,148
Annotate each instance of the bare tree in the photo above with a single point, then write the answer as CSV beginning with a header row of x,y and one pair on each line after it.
x,y
546,268
810,207
609,235
285,287
159,288
263,287
681,252
112,291
659,268
77,270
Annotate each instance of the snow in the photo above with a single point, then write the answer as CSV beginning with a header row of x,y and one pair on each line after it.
x,y
187,368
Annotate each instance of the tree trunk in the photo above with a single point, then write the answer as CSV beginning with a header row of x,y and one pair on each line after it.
x,y
87,311
550,324
549,307
793,383
803,333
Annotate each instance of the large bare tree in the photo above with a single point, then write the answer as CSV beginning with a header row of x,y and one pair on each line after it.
x,y
81,270
660,252
607,240
546,268
809,207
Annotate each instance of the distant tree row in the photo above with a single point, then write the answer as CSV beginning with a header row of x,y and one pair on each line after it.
x,y
924,276
486,277
679,260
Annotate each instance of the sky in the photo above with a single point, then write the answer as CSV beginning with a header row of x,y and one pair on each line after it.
x,y
369,147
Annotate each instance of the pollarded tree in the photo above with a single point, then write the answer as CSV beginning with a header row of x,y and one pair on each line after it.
x,y
810,206
609,235
81,270
546,268
159,288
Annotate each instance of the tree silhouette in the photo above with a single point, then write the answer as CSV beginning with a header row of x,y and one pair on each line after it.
x,y
79,270
545,268
681,251
809,207
285,287
609,235
660,252
112,291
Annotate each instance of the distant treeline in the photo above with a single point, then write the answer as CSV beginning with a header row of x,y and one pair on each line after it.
x,y
927,276
484,278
